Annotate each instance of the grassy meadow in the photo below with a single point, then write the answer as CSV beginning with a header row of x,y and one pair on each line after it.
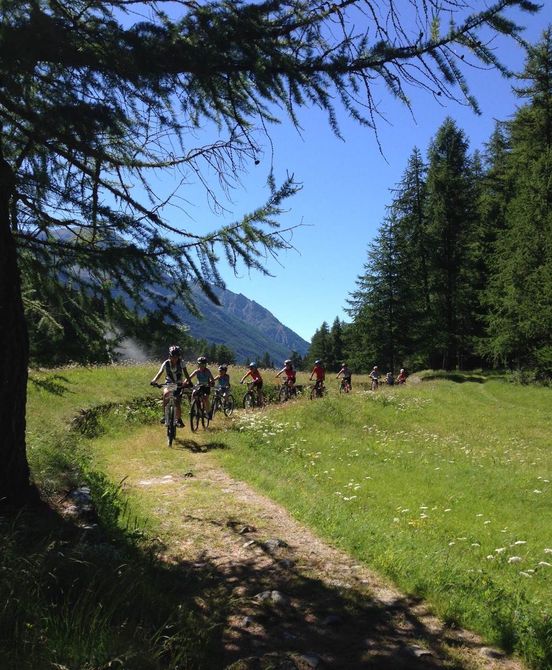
x,y
443,486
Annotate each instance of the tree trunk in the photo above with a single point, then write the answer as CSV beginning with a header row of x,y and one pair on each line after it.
x,y
15,488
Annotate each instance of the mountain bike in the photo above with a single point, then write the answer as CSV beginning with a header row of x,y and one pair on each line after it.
x,y
252,397
374,384
318,390
344,386
197,410
170,410
287,391
223,401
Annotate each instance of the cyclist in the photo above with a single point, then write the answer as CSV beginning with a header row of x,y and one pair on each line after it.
x,y
320,373
290,373
223,379
401,378
345,373
174,371
389,379
256,380
375,375
205,380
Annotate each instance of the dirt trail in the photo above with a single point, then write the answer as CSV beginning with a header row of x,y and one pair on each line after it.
x,y
300,603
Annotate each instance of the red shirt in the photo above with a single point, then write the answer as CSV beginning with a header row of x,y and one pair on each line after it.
x,y
255,375
290,374
320,373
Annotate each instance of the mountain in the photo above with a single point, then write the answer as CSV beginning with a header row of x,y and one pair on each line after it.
x,y
243,325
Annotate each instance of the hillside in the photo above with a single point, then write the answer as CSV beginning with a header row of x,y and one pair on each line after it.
x,y
243,325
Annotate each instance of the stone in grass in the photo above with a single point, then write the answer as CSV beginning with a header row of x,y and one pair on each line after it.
x,y
274,661
273,544
492,653
275,597
308,661
416,651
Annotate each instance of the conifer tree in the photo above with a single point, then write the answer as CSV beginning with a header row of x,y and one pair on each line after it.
x,y
520,293
93,101
452,217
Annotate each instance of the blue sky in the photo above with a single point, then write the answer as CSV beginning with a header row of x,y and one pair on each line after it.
x,y
346,187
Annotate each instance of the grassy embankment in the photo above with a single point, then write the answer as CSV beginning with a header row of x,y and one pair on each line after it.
x,y
88,593
443,486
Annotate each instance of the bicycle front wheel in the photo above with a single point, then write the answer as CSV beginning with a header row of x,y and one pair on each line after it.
x,y
284,394
195,413
314,393
228,405
248,400
170,424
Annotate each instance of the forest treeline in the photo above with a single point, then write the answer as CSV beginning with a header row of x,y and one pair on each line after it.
x,y
460,272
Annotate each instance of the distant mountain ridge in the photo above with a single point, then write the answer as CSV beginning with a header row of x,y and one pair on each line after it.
x,y
246,327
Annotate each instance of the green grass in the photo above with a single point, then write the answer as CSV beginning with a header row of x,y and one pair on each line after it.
x,y
442,486
93,594
437,485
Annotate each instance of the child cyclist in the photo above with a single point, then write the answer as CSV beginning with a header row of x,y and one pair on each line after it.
x,y
174,371
256,380
401,379
205,380
345,374
319,372
290,373
223,379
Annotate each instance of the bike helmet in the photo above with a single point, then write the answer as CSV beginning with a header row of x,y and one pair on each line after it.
x,y
222,368
174,351
318,362
252,364
287,362
201,360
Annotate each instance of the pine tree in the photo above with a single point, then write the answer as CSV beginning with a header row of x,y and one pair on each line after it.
x,y
93,102
520,294
452,217
320,345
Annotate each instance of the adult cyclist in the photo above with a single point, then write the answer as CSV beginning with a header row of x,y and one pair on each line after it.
x,y
175,372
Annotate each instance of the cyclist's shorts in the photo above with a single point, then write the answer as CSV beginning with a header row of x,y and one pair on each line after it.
x,y
347,380
177,393
258,383
203,389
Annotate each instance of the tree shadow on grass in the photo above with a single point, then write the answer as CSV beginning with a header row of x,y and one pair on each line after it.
x,y
55,384
142,605
458,378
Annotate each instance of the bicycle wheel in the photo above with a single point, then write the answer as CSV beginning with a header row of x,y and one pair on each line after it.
x,y
170,423
195,413
283,396
249,400
204,418
228,404
314,393
216,406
